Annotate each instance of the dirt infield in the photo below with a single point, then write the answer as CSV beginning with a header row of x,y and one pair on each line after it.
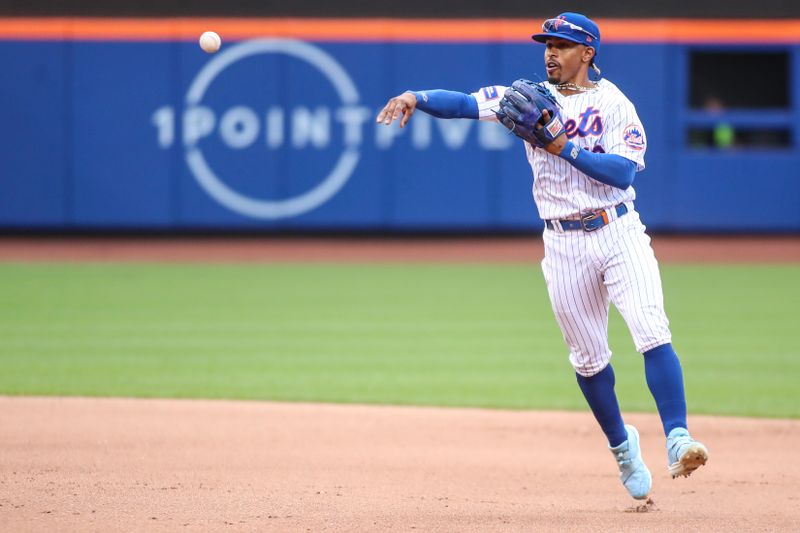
x,y
175,465
166,465
765,249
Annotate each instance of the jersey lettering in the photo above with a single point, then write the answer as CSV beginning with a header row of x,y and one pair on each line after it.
x,y
590,124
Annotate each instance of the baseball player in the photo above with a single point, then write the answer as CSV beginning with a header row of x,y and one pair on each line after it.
x,y
585,143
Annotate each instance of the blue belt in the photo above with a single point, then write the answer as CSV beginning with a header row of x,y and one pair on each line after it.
x,y
591,221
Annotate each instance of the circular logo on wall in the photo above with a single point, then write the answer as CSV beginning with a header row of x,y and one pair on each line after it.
x,y
239,127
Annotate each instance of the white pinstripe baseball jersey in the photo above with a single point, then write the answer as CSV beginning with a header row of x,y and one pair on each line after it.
x,y
601,120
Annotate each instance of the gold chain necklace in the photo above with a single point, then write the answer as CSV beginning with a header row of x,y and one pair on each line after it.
x,y
575,87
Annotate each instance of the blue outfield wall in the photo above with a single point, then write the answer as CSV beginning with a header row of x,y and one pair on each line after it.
x,y
275,135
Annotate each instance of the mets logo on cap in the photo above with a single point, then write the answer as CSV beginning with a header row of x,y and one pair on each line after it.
x,y
634,137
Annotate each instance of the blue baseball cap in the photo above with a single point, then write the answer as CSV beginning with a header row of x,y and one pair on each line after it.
x,y
572,27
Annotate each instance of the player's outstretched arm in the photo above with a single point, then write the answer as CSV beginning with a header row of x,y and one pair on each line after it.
x,y
438,102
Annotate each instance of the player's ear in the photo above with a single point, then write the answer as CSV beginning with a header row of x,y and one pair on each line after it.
x,y
588,54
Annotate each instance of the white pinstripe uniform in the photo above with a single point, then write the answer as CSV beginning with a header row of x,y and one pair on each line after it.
x,y
585,271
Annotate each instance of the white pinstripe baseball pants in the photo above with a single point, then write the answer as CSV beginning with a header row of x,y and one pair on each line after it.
x,y
585,271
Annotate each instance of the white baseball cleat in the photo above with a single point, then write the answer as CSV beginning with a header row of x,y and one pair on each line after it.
x,y
684,454
632,471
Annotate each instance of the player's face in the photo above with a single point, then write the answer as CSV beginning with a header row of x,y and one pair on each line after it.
x,y
564,60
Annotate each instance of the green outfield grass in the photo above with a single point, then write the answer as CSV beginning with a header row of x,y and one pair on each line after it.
x,y
467,335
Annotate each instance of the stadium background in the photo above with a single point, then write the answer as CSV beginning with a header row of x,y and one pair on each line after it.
x,y
99,126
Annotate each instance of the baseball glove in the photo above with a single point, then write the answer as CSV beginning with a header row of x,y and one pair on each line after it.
x,y
522,108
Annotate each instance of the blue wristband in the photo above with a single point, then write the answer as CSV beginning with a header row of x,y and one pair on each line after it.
x,y
570,152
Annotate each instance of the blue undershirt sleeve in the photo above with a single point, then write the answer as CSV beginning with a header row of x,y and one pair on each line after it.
x,y
611,169
447,104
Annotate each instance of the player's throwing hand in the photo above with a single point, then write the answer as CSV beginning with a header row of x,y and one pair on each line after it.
x,y
404,104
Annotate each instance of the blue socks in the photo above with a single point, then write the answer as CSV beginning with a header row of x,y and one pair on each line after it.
x,y
599,392
665,380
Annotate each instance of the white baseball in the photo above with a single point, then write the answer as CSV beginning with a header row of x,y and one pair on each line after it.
x,y
210,42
